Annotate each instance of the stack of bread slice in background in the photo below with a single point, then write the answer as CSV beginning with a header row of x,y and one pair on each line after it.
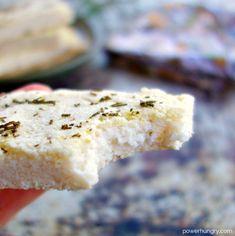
x,y
36,35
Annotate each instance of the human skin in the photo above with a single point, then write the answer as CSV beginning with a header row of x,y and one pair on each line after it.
x,y
13,200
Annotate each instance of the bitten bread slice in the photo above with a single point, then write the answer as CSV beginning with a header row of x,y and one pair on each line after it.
x,y
62,139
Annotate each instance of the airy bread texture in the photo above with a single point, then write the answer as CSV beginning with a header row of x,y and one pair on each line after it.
x,y
61,139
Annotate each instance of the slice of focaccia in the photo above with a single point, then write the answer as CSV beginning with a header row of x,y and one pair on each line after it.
x,y
62,139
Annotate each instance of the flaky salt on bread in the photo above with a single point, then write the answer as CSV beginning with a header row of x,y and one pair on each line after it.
x,y
61,139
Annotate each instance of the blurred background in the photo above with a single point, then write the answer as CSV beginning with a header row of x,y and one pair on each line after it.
x,y
179,46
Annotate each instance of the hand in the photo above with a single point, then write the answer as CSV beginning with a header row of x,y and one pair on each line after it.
x,y
12,200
